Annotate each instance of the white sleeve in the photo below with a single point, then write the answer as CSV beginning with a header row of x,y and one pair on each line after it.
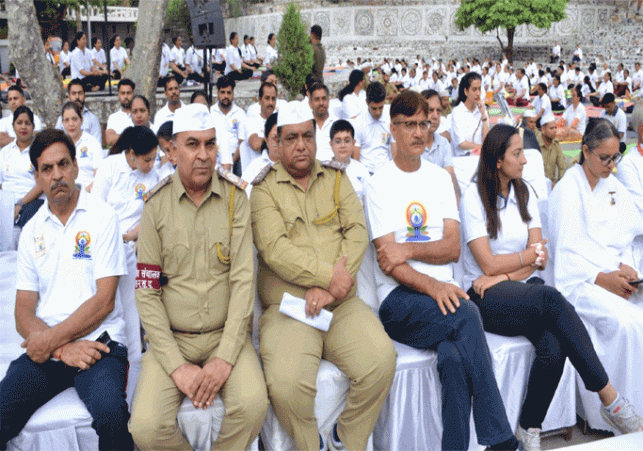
x,y
532,208
109,249
27,277
630,177
98,154
103,179
474,220
110,123
379,220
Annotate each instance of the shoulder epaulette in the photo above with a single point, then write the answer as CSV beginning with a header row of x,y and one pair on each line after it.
x,y
147,196
334,164
262,174
230,177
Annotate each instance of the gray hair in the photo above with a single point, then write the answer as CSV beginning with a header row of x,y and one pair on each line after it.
x,y
636,119
597,131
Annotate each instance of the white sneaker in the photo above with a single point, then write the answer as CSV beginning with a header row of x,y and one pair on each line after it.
x,y
334,445
622,417
530,438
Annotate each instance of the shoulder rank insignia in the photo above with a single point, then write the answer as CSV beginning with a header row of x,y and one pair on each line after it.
x,y
147,196
230,177
262,174
334,164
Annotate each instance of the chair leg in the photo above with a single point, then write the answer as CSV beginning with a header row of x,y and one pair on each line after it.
x,y
568,434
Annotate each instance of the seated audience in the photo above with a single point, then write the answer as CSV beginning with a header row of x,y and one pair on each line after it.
x,y
469,121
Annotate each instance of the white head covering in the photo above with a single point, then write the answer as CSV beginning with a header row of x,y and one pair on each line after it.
x,y
547,118
193,117
444,93
293,113
530,113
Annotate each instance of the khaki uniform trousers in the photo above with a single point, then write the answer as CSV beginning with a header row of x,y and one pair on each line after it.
x,y
291,352
157,399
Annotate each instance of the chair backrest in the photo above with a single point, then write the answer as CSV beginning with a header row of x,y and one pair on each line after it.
x,y
6,220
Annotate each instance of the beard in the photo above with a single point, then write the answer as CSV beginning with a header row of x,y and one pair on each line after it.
x,y
126,105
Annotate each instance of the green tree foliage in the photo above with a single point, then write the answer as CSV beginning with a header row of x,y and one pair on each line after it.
x,y
177,16
295,52
489,15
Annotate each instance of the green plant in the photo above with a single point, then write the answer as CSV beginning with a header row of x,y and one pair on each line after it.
x,y
489,15
177,15
295,52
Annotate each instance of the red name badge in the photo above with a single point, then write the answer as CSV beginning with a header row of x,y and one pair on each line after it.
x,y
148,276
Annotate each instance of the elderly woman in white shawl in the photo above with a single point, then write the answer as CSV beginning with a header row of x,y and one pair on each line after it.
x,y
594,226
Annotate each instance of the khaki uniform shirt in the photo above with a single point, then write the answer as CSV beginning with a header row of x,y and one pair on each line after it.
x,y
294,253
553,158
201,293
391,90
319,59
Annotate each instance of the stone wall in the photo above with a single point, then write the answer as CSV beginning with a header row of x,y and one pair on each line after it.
x,y
405,28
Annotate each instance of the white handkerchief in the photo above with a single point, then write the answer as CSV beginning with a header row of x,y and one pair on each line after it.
x,y
296,308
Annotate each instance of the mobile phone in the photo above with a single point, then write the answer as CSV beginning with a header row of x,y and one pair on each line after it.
x,y
104,338
636,282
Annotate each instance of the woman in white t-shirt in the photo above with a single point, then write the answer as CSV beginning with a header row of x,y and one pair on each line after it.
x,y
118,57
126,175
504,247
352,103
16,169
89,152
64,60
575,117
605,87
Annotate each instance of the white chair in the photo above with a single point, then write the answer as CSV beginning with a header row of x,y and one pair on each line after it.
x,y
6,220
411,417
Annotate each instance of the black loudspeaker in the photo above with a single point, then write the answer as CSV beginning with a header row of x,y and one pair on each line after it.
x,y
207,23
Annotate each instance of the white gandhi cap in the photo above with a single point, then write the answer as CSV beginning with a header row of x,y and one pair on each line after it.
x,y
530,113
547,118
293,113
193,117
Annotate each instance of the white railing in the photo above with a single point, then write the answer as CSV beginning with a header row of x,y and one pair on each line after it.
x,y
114,14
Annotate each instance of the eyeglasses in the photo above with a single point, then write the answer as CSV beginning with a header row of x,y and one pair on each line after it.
x,y
606,159
410,126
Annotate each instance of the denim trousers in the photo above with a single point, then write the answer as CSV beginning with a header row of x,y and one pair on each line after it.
x,y
29,385
464,364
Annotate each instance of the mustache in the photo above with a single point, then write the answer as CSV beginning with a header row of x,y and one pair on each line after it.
x,y
60,184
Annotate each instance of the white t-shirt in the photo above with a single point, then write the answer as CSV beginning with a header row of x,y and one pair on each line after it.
x,y
80,61
89,154
406,204
354,105
63,263
440,152
163,115
119,121
512,236
164,68
16,170
254,168
465,126
618,119
322,137
232,58
117,56
373,137
195,57
570,114
123,188
252,125
177,55
231,132
62,59
542,103
358,175
271,55
99,55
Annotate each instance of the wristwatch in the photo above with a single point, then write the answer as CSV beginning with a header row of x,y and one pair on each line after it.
x,y
19,203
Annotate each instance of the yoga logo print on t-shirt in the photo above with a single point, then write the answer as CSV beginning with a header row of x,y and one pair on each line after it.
x,y
416,218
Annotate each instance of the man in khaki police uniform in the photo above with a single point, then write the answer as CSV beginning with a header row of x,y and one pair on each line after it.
x,y
311,236
195,295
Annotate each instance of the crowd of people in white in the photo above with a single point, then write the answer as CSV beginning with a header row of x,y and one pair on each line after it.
x,y
397,128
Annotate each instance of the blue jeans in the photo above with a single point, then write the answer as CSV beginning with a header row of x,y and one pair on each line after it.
x,y
29,385
464,364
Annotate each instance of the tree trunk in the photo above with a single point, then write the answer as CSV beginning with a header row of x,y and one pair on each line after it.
x,y
28,56
144,69
510,44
